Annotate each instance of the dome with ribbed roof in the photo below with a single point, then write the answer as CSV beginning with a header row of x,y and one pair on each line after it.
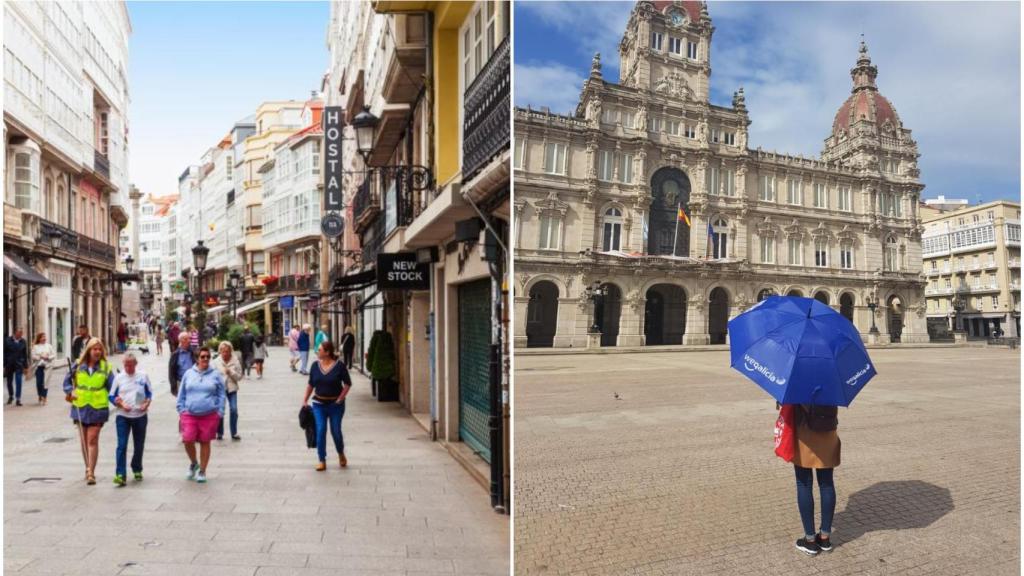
x,y
866,103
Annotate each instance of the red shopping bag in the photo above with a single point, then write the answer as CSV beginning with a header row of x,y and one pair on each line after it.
x,y
785,433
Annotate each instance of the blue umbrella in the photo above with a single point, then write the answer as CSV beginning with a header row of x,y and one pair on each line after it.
x,y
800,351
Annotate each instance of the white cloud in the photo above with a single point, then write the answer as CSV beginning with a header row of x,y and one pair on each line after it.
x,y
552,85
951,70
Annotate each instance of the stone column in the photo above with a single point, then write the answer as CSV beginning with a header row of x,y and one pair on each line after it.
x,y
565,323
631,321
519,330
696,323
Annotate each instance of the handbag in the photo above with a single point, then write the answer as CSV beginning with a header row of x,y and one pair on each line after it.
x,y
785,433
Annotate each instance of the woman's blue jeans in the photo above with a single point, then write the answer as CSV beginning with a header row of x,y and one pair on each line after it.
x,y
233,410
137,428
331,413
805,499
41,382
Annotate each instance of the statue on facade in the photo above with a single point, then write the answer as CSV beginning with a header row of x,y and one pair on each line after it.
x,y
594,112
641,118
702,133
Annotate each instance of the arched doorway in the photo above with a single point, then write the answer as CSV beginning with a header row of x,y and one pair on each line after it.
x,y
795,292
664,315
670,191
764,294
895,305
542,315
821,296
846,306
608,314
718,316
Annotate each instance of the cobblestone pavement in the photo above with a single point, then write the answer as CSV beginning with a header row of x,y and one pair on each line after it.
x,y
403,506
678,475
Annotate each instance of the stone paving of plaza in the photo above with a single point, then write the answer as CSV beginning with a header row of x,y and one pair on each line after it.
x,y
679,477
403,506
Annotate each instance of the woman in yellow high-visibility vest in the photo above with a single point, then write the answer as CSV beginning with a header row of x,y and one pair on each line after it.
x,y
87,387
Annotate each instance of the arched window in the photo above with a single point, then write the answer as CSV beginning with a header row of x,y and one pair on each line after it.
x,y
719,238
892,254
612,229
62,202
764,294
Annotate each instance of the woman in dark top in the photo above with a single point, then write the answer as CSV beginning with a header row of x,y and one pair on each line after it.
x,y
329,384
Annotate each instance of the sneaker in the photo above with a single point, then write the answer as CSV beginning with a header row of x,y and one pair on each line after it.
x,y
824,544
201,477
119,480
17,402
138,476
809,548
236,437
193,468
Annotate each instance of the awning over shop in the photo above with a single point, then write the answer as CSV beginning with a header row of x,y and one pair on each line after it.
x,y
217,309
24,273
255,305
355,281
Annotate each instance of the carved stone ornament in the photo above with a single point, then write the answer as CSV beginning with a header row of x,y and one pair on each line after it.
x,y
766,228
523,279
552,204
674,84
820,231
793,229
847,235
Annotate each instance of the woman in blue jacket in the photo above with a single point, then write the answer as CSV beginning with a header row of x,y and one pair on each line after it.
x,y
200,409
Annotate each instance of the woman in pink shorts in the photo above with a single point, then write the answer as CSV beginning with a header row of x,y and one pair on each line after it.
x,y
200,408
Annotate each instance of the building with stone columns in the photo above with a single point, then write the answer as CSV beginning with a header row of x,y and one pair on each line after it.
x,y
646,215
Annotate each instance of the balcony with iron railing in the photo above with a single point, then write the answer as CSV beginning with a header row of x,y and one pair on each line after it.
x,y
1014,263
291,283
486,126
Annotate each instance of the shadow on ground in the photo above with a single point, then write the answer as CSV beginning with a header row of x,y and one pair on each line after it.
x,y
895,505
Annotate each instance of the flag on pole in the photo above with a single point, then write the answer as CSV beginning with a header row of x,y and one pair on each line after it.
x,y
682,215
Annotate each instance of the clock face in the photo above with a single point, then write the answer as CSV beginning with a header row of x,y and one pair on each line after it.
x,y
677,18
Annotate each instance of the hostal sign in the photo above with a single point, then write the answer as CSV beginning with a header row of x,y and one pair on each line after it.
x,y
401,271
332,158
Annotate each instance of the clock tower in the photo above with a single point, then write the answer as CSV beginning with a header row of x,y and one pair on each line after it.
x,y
667,49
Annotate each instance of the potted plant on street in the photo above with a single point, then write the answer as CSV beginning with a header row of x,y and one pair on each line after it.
x,y
382,366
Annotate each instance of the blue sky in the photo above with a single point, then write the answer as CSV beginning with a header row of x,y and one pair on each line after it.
x,y
951,70
197,67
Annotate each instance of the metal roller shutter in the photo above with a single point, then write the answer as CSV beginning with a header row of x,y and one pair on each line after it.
x,y
474,355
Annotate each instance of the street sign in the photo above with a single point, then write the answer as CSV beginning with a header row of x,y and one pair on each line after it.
x,y
401,271
333,225
333,168
286,302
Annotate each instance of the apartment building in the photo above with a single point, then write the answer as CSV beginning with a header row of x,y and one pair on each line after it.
x,y
66,148
971,257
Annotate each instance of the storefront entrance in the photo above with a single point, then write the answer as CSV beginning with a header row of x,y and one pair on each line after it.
x,y
474,362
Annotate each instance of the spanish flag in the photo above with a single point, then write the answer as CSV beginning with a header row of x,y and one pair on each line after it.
x,y
682,216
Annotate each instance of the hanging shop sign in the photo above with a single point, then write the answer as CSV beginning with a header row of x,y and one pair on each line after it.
x,y
212,300
333,129
401,271
286,302
332,225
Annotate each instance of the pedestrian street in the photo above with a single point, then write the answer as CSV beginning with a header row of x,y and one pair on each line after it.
x,y
403,505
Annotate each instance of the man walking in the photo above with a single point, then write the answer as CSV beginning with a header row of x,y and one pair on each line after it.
x,y
173,333
293,347
304,346
132,394
247,346
15,365
79,342
181,360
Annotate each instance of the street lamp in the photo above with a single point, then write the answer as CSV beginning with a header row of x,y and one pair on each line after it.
x,y
129,263
233,280
314,293
596,293
365,124
199,254
958,307
872,304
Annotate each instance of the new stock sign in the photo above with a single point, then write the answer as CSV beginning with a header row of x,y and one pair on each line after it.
x,y
401,271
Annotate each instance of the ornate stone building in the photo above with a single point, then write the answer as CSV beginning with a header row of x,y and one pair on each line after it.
x,y
646,214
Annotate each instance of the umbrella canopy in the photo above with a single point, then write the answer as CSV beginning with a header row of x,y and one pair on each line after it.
x,y
800,351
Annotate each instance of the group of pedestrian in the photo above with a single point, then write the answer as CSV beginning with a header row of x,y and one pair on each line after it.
x,y
300,343
205,385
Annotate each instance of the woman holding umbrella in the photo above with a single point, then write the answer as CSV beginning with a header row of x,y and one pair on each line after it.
x,y
811,360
